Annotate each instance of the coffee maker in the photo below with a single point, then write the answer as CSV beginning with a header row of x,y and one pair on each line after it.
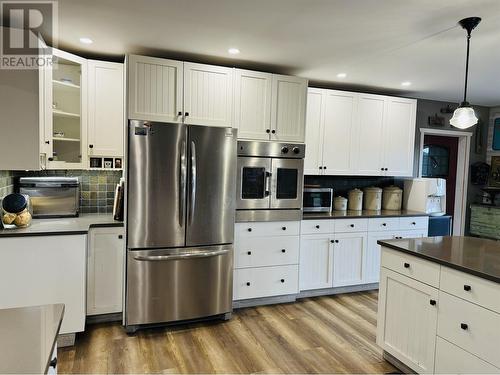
x,y
425,195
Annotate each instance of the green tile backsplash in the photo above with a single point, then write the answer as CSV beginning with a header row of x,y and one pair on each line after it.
x,y
97,188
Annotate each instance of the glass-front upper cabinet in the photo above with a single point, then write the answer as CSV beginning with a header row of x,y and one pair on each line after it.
x,y
65,112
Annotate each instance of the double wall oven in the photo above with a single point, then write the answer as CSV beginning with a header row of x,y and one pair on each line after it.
x,y
270,181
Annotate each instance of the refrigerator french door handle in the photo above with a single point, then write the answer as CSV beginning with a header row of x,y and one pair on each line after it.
x,y
193,181
182,184
204,254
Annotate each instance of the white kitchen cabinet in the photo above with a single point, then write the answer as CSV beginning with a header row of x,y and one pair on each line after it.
x,y
407,319
105,265
313,161
65,111
348,253
316,262
155,89
39,270
252,104
106,110
399,136
288,108
372,258
208,95
372,111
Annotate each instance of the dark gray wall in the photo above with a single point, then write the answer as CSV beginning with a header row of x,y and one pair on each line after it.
x,y
426,108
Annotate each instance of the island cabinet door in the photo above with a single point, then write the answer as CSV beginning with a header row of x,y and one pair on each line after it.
x,y
407,319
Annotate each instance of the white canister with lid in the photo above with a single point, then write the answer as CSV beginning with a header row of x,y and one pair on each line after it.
x,y
355,200
392,198
340,203
373,198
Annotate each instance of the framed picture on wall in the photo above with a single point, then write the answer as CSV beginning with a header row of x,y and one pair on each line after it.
x,y
495,144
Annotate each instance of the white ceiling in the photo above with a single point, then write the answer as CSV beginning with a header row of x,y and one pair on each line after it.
x,y
378,43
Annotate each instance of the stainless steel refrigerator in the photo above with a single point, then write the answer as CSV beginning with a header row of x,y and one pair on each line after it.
x,y
180,222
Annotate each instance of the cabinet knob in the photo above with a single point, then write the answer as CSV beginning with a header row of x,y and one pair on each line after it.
x,y
47,142
282,280
384,224
248,283
413,223
467,288
186,114
336,241
432,302
406,265
179,113
249,229
268,131
381,169
50,159
53,362
320,167
266,193
317,226
386,169
249,252
464,326
352,225
91,146
332,241
273,131
324,166
283,228
120,236
283,250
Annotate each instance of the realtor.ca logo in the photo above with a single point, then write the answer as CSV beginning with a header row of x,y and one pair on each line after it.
x,y
25,25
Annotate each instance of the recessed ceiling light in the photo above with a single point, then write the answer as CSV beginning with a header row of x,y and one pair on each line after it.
x,y
341,75
406,83
233,51
86,40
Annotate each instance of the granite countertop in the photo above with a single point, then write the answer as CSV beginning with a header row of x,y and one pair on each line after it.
x,y
477,256
63,226
359,214
27,338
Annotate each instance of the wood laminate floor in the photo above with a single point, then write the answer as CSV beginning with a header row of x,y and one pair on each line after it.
x,y
332,334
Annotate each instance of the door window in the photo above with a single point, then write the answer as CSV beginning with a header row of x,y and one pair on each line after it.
x,y
435,161
286,183
253,183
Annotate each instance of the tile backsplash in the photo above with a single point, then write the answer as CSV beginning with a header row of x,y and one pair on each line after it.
x,y
97,188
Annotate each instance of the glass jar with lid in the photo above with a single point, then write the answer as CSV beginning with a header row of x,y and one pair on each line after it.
x,y
16,211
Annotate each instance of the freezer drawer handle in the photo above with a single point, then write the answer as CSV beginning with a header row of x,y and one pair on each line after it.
x,y
204,254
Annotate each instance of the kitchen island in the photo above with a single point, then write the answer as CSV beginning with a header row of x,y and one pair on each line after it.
x,y
28,339
439,304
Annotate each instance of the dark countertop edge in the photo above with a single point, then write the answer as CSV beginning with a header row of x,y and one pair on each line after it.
x,y
55,340
319,216
482,275
15,233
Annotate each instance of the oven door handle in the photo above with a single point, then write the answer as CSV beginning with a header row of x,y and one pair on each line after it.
x,y
268,184
181,256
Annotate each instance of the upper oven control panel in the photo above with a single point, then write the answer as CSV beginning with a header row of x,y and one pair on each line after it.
x,y
271,149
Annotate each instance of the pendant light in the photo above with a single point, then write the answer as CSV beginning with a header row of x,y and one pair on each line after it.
x,y
464,116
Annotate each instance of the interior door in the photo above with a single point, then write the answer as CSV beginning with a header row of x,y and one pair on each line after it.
x,y
253,183
211,185
156,185
286,183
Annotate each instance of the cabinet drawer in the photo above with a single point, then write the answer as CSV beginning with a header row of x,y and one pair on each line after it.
x,y
471,288
450,359
265,282
317,226
381,224
351,225
410,223
266,251
273,228
416,268
469,326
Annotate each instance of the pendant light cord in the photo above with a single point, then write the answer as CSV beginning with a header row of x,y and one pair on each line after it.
x,y
467,67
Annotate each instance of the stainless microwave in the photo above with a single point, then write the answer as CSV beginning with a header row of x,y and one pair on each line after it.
x,y
317,199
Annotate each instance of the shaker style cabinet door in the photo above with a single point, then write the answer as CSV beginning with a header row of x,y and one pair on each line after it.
x,y
407,320
105,266
316,262
399,136
313,162
288,108
106,123
252,104
340,131
154,89
370,140
208,95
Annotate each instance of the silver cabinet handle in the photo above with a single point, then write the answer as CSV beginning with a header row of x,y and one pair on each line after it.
x,y
182,184
201,254
193,181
